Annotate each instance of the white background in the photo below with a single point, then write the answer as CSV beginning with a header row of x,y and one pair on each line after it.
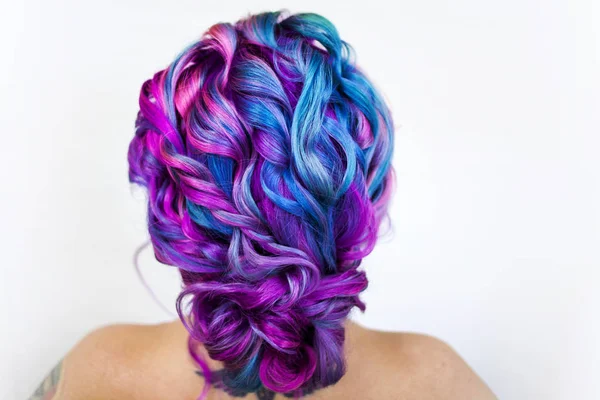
x,y
496,214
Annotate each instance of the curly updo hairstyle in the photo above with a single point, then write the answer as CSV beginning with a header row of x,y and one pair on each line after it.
x,y
266,156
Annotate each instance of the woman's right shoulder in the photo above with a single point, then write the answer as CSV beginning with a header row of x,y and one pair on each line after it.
x,y
397,365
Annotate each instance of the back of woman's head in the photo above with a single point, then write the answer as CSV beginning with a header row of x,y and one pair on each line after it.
x,y
266,156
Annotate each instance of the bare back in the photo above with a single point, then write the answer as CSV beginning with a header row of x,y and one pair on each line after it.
x,y
152,362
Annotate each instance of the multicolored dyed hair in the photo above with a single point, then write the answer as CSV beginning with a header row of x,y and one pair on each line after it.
x,y
266,155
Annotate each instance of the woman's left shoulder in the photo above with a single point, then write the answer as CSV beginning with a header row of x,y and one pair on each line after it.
x,y
117,361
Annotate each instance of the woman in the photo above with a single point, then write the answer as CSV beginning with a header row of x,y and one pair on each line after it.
x,y
266,156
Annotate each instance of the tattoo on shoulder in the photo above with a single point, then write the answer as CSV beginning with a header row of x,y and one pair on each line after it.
x,y
49,385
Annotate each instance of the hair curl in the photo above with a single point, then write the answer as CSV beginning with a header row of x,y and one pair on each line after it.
x,y
266,156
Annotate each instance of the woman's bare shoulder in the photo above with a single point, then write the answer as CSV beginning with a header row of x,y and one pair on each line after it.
x,y
123,361
411,365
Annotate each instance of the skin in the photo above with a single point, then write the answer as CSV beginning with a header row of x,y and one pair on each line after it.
x,y
130,362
